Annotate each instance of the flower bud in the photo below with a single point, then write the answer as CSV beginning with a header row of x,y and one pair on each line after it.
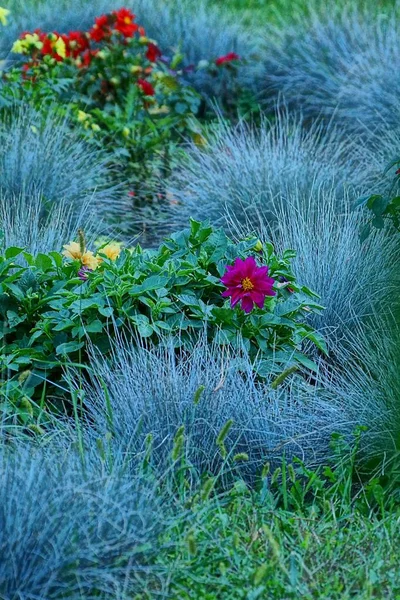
x,y
258,246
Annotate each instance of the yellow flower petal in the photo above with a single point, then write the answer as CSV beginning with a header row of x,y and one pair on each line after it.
x,y
72,250
60,48
111,251
3,15
82,116
88,259
18,47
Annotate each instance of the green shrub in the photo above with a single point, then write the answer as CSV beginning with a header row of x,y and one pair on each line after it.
x,y
384,207
53,306
119,90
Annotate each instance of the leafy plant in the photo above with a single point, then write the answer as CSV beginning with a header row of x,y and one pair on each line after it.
x,y
384,207
51,309
122,92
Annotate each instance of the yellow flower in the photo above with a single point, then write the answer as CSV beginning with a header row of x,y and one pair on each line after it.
x,y
126,132
82,116
111,251
95,127
159,110
32,39
18,47
3,15
72,250
135,69
89,260
60,48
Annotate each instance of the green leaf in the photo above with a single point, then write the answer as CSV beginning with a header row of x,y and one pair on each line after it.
x,y
16,291
56,256
43,262
95,326
377,204
378,222
12,252
69,347
152,283
106,312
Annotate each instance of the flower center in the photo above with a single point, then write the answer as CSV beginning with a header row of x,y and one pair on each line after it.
x,y
247,285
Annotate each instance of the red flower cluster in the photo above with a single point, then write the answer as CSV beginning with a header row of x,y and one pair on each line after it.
x,y
78,45
227,58
119,20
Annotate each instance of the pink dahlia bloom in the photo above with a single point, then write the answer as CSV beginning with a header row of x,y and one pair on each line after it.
x,y
248,283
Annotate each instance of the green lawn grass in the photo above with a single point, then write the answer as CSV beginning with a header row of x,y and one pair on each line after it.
x,y
256,13
243,547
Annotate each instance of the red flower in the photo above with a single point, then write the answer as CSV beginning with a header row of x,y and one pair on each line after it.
x,y
124,14
86,58
124,22
248,283
47,45
227,58
146,86
100,29
153,52
77,42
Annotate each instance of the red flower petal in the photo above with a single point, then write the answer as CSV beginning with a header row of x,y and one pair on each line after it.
x,y
227,58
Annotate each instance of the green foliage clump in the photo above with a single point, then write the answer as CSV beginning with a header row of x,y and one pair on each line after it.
x,y
50,314
119,91
384,208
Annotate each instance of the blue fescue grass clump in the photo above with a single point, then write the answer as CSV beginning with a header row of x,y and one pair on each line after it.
x,y
51,182
69,528
242,171
26,223
366,372
41,154
337,63
354,278
223,420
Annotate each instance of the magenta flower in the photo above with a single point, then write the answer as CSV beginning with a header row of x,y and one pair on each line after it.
x,y
247,282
